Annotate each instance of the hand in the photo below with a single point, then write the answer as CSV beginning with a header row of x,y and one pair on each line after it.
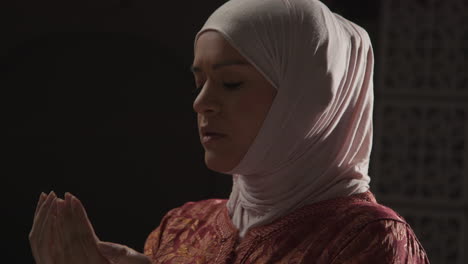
x,y
63,234
120,254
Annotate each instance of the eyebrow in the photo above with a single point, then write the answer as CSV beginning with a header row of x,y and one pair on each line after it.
x,y
219,65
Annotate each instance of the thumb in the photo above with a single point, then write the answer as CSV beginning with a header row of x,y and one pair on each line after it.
x,y
120,254
111,250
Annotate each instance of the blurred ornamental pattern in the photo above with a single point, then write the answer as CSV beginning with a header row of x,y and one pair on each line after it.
x,y
420,158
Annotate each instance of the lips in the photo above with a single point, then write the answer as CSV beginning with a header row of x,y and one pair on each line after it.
x,y
210,139
208,131
210,135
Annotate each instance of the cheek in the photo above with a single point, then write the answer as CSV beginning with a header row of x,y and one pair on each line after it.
x,y
255,110
249,119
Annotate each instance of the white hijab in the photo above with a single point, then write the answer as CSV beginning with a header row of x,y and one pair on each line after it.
x,y
316,140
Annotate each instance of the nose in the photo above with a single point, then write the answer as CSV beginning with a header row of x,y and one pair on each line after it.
x,y
207,102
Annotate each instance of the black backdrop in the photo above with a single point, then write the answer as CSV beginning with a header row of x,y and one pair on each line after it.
x,y
97,100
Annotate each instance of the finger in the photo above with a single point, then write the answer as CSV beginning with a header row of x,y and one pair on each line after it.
x,y
82,217
72,249
35,234
46,211
47,243
112,251
84,228
42,198
42,211
59,232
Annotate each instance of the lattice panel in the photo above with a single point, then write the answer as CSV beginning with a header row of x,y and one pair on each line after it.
x,y
421,153
441,233
425,46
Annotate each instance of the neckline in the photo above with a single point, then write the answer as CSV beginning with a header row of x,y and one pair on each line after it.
x,y
228,230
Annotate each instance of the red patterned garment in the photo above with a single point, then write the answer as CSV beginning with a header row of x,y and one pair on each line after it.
x,y
353,229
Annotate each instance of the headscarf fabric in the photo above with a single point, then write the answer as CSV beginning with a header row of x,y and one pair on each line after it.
x,y
316,139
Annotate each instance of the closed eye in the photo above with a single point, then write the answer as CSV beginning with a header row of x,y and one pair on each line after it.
x,y
232,85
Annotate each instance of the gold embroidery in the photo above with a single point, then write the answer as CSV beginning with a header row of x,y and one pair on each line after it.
x,y
335,233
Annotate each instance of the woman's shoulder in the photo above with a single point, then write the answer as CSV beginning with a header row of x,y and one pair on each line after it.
x,y
363,211
353,211
198,209
193,214
359,215
369,232
363,207
182,222
376,240
379,236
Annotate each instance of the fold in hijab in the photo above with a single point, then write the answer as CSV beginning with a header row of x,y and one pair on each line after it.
x,y
316,139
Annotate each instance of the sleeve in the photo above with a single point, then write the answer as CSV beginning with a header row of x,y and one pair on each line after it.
x,y
152,243
153,240
383,241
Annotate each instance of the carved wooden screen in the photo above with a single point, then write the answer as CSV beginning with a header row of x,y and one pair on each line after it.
x,y
420,159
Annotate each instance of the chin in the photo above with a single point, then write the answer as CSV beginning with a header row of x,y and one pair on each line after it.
x,y
219,164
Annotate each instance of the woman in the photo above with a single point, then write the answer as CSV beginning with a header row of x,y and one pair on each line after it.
x,y
285,106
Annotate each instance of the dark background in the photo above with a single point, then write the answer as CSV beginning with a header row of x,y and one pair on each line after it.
x,y
97,100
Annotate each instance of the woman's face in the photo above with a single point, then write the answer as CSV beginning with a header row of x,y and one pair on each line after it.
x,y
233,100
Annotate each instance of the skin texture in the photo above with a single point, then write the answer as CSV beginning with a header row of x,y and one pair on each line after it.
x,y
62,234
235,110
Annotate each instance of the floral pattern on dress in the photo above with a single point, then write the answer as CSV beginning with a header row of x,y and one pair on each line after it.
x,y
354,229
